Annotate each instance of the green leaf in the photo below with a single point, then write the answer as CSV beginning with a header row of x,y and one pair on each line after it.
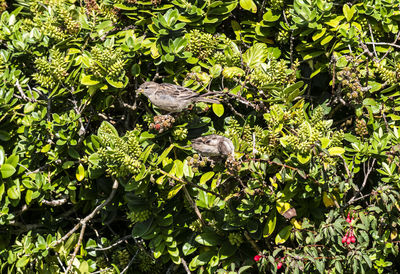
x,y
14,192
174,191
135,70
22,262
336,151
255,55
188,249
142,228
338,267
216,70
7,170
283,235
84,267
164,154
303,159
117,83
208,239
270,225
349,12
248,5
218,109
230,72
4,136
107,128
80,173
206,177
89,80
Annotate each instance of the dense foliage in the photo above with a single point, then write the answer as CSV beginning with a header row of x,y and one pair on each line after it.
x,y
94,178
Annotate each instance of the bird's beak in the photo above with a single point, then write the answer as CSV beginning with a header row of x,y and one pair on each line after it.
x,y
139,90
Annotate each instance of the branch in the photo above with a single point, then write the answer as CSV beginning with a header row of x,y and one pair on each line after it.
x,y
366,175
89,217
383,44
123,239
185,266
130,262
253,244
78,245
193,204
23,95
58,202
387,52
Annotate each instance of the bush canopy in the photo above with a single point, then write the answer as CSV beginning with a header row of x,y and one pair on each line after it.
x,y
94,178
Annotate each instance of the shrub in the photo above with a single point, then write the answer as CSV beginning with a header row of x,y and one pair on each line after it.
x,y
95,178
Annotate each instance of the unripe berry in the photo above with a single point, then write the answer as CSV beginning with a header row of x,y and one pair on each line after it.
x,y
279,266
257,258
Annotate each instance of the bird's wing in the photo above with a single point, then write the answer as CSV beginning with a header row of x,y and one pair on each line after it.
x,y
176,91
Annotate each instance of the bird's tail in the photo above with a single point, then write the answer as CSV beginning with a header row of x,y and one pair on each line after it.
x,y
207,100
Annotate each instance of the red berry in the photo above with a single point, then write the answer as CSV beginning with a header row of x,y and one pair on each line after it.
x,y
279,266
257,258
344,239
348,220
353,239
157,126
348,240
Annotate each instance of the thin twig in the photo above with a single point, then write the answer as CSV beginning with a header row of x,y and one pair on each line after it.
x,y
123,239
185,266
373,42
23,95
130,262
366,175
252,242
387,52
58,202
383,44
194,206
89,217
77,246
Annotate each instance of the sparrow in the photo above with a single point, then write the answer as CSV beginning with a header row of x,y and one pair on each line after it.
x,y
213,146
171,98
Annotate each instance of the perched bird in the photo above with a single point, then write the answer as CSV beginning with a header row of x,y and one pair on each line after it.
x,y
171,97
213,146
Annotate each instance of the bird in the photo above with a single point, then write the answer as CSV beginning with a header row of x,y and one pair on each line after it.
x,y
213,146
170,97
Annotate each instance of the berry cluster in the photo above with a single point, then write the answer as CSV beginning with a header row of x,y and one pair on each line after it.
x,y
139,216
279,265
349,237
107,62
162,123
180,133
201,44
361,127
196,161
51,70
349,78
235,238
119,156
